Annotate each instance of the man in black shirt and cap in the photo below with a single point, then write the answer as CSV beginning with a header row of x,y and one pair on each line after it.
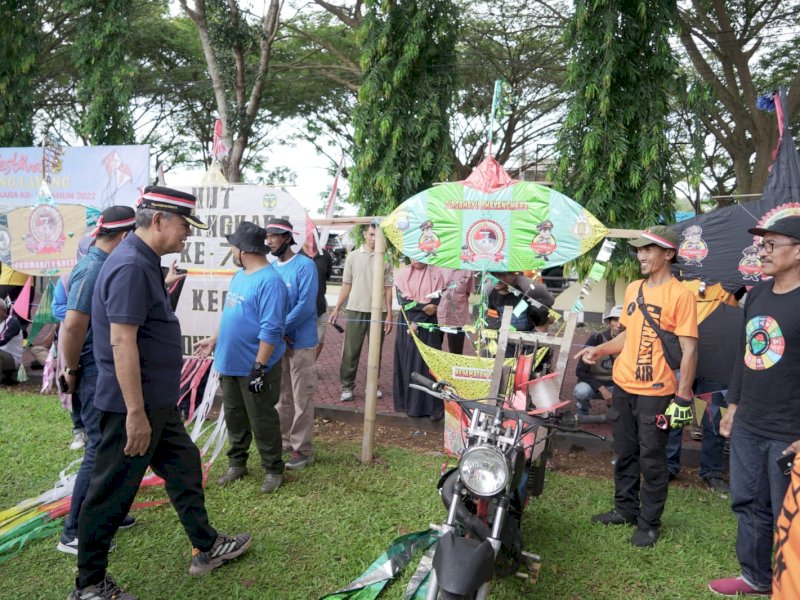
x,y
763,416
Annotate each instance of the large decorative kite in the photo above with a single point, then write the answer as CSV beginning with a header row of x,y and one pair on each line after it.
x,y
490,222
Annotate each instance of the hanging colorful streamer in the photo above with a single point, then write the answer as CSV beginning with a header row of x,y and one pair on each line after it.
x,y
596,273
40,517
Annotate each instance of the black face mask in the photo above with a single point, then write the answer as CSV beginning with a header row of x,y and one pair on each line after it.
x,y
283,248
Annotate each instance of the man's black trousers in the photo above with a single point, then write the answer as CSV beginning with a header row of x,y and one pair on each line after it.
x,y
641,478
116,478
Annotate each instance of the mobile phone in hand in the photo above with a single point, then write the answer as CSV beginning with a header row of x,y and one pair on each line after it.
x,y
338,327
785,462
63,387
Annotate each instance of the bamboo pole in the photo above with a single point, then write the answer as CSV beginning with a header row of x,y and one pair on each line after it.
x,y
374,349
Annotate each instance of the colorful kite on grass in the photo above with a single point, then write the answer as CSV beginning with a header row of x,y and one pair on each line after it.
x,y
490,222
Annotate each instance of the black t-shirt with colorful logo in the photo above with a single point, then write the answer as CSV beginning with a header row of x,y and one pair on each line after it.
x,y
766,383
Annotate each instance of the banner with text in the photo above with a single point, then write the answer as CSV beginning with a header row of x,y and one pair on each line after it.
x,y
94,176
207,254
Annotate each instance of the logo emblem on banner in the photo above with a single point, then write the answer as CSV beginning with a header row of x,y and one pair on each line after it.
x,y
486,240
45,230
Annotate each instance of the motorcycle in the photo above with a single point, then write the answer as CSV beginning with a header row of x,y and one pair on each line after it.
x,y
501,467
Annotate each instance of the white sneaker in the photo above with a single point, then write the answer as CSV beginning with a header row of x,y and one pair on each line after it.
x,y
79,439
71,546
347,395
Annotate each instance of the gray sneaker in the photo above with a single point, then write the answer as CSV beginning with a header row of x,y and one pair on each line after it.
x,y
272,481
232,474
347,395
224,549
299,461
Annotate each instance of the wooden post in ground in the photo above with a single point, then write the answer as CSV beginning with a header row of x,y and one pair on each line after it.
x,y
374,349
500,357
571,319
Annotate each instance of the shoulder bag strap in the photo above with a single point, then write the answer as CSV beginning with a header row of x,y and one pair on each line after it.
x,y
646,314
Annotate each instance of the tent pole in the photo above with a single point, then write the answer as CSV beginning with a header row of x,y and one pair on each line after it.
x,y
374,351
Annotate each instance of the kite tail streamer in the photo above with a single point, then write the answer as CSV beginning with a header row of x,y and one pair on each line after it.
x,y
49,371
371,582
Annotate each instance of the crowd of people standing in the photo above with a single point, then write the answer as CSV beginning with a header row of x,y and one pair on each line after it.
x,y
122,356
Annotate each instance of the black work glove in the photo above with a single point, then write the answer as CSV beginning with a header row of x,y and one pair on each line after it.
x,y
257,374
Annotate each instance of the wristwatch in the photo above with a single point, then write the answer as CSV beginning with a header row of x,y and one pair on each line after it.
x,y
75,371
257,366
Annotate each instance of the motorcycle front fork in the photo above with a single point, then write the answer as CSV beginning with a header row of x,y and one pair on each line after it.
x,y
494,540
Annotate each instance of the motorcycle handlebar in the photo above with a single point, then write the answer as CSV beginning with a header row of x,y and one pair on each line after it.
x,y
590,419
423,381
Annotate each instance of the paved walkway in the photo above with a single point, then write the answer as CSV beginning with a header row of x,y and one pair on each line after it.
x,y
328,402
329,389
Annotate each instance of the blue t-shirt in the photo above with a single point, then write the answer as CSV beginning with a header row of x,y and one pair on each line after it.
x,y
59,304
81,289
255,310
130,290
300,276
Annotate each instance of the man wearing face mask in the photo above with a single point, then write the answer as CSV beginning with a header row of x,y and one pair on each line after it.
x,y
249,347
295,407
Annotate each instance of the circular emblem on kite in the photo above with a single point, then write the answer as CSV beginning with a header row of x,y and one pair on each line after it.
x,y
45,230
485,240
402,220
5,242
582,228
765,344
270,200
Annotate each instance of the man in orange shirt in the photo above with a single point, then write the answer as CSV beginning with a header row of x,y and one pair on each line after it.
x,y
647,396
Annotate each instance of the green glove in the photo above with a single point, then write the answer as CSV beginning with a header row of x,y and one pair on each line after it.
x,y
679,412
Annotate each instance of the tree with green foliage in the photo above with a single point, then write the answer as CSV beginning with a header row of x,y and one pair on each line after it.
x,y
105,73
741,49
519,42
19,32
401,122
238,53
613,150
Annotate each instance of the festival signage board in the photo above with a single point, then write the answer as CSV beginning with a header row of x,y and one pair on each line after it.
x,y
207,254
93,176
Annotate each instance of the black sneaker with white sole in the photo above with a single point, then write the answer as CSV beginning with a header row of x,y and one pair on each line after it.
x,y
224,549
104,590
69,545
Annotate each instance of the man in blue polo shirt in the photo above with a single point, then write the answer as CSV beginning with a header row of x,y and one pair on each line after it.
x,y
249,347
296,406
80,371
137,348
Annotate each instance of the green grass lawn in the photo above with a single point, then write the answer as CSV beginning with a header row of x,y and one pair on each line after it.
x,y
330,521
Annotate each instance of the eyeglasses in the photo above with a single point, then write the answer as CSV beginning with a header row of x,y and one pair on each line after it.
x,y
770,246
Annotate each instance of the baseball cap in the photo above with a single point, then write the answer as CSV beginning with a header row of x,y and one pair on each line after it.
x,y
660,235
614,313
115,219
278,226
786,226
169,200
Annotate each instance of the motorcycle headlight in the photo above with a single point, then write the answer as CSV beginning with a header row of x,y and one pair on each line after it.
x,y
484,470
